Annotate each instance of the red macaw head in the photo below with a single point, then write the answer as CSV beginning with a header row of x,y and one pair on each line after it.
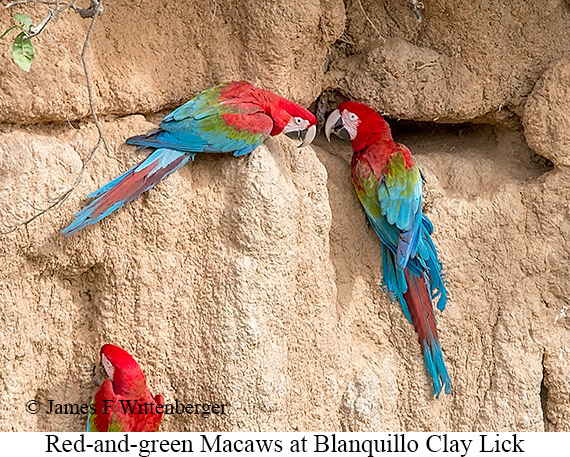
x,y
296,122
356,122
123,370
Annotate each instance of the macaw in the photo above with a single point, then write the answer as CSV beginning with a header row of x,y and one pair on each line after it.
x,y
388,184
233,117
123,403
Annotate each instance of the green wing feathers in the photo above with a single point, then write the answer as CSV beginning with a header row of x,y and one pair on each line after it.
x,y
400,192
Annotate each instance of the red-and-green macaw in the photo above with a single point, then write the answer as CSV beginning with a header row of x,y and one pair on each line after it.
x,y
123,403
234,117
388,183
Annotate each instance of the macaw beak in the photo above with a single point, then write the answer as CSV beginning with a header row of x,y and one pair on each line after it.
x,y
307,135
99,374
334,124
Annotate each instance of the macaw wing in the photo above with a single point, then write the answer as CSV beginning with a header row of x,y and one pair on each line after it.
x,y
103,413
394,280
388,233
152,421
212,122
207,103
400,192
238,133
367,184
400,201
143,419
382,202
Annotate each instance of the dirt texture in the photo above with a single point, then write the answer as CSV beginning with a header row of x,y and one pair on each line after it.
x,y
148,54
258,285
466,61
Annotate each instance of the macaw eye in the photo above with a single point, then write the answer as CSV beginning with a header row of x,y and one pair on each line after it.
x,y
299,120
352,116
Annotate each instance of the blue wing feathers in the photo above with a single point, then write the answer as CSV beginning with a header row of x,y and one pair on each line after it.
x,y
394,280
423,264
214,142
391,194
203,124
163,139
425,257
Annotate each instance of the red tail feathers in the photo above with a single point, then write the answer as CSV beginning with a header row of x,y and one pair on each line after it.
x,y
420,306
128,186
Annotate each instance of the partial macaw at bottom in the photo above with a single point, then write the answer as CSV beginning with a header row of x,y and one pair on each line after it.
x,y
124,403
389,186
230,118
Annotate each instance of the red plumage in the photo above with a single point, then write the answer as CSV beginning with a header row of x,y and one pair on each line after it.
x,y
389,186
420,307
230,118
124,402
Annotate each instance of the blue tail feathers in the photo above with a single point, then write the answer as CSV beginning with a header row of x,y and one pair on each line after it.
x,y
122,190
416,287
433,356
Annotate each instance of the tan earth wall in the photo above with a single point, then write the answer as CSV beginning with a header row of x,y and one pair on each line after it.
x,y
258,285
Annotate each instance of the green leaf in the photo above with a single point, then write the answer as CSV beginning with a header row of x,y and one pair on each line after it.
x,y
25,20
23,52
7,31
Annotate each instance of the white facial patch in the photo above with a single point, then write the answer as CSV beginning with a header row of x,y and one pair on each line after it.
x,y
350,122
108,366
295,124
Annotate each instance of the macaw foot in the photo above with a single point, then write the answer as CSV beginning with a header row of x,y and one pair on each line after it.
x,y
249,156
98,374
